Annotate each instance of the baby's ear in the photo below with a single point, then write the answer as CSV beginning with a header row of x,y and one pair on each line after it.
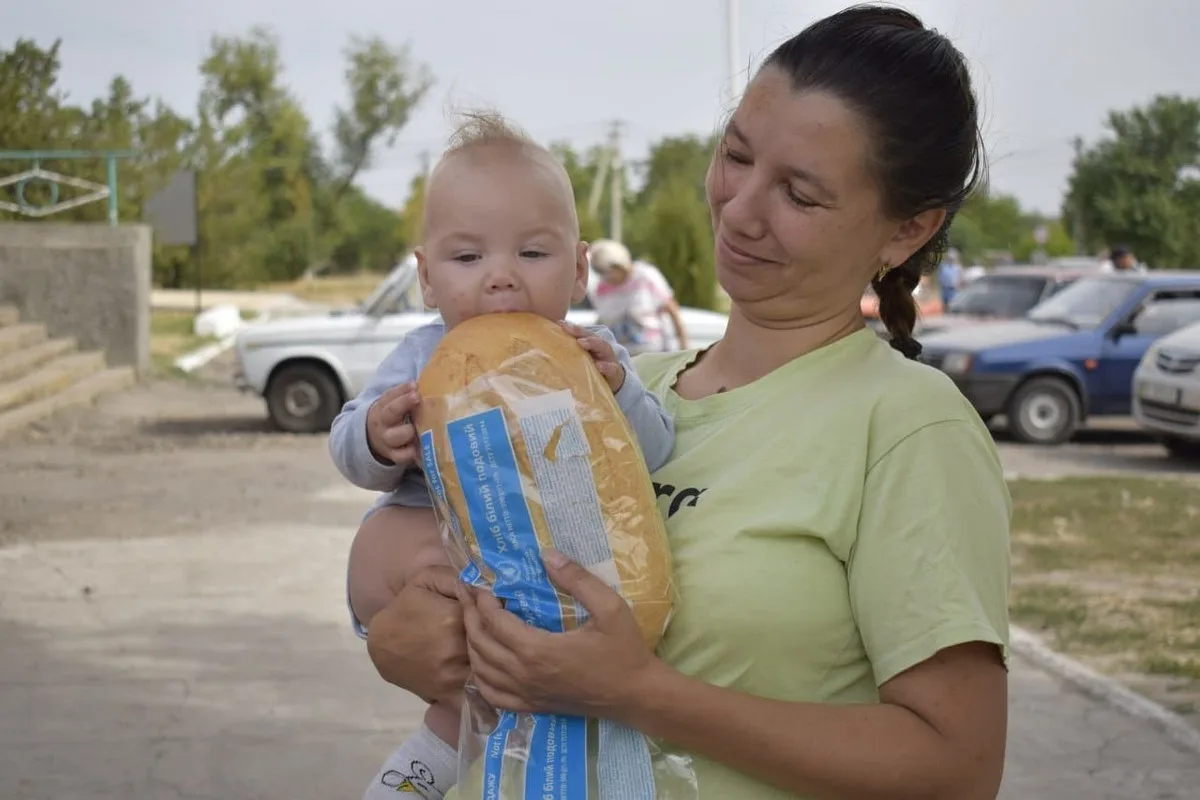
x,y
582,273
427,295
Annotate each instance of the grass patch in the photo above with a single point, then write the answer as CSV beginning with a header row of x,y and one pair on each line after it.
x,y
170,337
1107,525
1108,569
331,289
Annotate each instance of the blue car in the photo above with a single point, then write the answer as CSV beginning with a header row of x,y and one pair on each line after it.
x,y
1071,356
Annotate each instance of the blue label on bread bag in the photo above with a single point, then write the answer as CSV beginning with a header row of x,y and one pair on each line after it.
x,y
487,471
433,475
491,483
557,767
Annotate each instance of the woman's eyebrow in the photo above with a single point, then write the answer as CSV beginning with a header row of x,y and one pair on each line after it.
x,y
807,176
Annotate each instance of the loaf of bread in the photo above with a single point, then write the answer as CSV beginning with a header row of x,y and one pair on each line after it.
x,y
525,448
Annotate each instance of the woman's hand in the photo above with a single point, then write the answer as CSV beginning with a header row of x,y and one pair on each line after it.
x,y
417,641
590,671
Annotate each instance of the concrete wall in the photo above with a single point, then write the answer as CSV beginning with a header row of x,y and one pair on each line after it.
x,y
89,281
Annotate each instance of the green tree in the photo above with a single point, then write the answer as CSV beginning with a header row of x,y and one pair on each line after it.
x,y
669,223
272,204
412,215
257,207
33,111
385,86
682,158
1138,185
680,241
583,171
990,224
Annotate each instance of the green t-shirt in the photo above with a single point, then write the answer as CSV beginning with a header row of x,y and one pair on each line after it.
x,y
832,524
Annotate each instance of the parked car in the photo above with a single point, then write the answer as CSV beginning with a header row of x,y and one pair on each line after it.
x,y
1166,391
306,367
929,304
1002,293
1072,356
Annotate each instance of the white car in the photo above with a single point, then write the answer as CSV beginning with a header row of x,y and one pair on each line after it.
x,y
307,367
1166,391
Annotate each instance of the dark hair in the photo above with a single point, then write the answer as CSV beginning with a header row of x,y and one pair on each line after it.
x,y
912,88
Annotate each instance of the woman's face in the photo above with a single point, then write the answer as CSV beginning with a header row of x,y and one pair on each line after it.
x,y
615,275
799,225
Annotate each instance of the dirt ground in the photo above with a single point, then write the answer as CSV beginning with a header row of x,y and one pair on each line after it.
x,y
121,459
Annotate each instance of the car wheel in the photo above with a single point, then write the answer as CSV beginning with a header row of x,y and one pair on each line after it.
x,y
1182,449
1044,411
303,398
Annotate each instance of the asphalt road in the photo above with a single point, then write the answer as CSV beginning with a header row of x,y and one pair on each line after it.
x,y
1107,446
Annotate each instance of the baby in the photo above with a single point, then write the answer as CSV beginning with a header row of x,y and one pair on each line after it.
x,y
500,234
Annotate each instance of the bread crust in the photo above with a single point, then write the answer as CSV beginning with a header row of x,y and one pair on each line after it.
x,y
514,361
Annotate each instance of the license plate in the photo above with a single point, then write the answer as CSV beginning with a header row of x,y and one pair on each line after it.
x,y
1159,393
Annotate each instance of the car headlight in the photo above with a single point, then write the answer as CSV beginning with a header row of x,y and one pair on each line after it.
x,y
957,364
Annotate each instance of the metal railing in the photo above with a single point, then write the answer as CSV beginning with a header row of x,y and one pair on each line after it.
x,y
94,191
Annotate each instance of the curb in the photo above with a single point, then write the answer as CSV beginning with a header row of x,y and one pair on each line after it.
x,y
198,358
189,362
1107,690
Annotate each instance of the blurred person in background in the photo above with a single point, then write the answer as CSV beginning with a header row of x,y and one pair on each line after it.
x,y
632,298
950,276
1122,259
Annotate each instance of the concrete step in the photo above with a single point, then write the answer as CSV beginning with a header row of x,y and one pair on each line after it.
x,y
81,393
17,337
49,379
26,360
9,316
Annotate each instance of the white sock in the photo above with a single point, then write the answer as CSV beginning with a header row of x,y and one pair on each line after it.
x,y
424,767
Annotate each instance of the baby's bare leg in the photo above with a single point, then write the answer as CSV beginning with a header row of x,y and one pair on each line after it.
x,y
391,546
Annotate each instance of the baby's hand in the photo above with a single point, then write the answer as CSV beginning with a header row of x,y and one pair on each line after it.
x,y
602,353
390,433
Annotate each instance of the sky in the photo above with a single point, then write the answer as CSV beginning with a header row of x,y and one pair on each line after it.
x,y
1045,70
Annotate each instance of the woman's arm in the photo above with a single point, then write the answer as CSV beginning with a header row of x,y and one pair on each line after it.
x,y
400,583
671,309
939,731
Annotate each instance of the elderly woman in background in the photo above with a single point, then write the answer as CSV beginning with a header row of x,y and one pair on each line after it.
x,y
632,298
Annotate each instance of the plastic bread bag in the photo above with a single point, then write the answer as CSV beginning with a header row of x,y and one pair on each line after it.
x,y
524,447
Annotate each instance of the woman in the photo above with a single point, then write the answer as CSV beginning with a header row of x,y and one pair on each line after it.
x,y
842,557
632,298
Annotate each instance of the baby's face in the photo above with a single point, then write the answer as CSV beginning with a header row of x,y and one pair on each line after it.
x,y
500,235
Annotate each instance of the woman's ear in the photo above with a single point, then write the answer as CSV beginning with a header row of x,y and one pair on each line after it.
x,y
583,271
912,235
427,295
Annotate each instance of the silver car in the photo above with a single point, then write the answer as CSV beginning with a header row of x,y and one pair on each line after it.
x,y
306,367
1166,392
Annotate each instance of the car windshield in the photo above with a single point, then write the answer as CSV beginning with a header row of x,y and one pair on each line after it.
x,y
1085,303
998,295
398,293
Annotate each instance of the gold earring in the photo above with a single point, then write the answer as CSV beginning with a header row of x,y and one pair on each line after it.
x,y
884,269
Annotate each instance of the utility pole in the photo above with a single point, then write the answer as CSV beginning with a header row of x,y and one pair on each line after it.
x,y
426,164
617,175
1077,211
731,49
